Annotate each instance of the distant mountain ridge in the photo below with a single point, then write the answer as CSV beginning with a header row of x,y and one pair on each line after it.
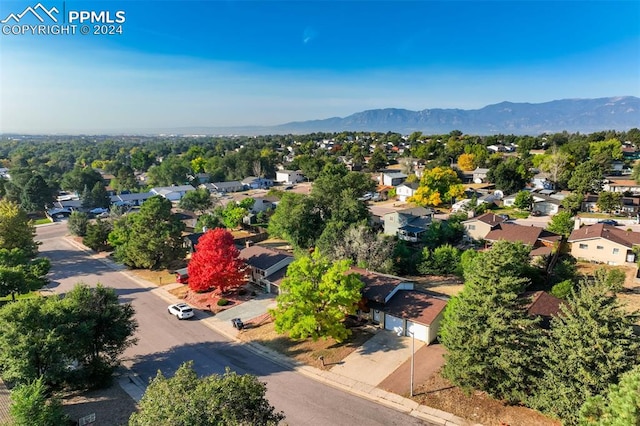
x,y
573,115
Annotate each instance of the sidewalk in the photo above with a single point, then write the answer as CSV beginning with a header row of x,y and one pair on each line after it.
x,y
221,323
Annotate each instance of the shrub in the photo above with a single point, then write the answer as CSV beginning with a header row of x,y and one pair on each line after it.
x,y
223,302
563,289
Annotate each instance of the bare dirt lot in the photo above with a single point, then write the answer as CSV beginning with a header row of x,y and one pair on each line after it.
x,y
112,406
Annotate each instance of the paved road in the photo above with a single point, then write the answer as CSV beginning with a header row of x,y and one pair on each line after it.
x,y
165,343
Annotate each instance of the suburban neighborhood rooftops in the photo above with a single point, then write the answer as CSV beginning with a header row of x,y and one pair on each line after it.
x,y
377,286
262,257
415,306
542,303
525,234
488,218
608,232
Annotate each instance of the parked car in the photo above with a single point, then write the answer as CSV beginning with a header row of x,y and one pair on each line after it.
x,y
366,197
98,210
181,310
609,222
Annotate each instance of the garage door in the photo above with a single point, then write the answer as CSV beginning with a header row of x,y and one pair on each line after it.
x,y
421,332
390,322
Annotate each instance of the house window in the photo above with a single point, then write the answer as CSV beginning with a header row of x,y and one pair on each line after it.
x,y
472,227
584,246
616,251
600,247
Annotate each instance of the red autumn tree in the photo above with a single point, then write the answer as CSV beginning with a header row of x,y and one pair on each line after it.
x,y
215,263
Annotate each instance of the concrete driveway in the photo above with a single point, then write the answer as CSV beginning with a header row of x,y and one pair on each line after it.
x,y
377,358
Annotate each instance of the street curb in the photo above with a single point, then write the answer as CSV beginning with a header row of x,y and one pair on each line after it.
x,y
133,384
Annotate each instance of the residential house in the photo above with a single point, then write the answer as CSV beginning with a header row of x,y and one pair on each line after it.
x,y
629,152
289,176
262,204
230,186
630,206
392,178
172,193
131,199
477,228
543,201
72,205
542,305
267,267
393,303
201,178
539,239
541,180
604,243
406,190
613,184
253,182
408,224
480,175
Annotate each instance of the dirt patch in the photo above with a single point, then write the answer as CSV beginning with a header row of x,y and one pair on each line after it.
x,y
306,351
449,285
630,294
438,392
112,406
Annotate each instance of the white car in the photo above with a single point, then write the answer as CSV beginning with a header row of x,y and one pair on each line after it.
x,y
181,310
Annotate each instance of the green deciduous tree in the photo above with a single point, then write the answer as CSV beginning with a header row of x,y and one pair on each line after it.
x,y
228,399
442,260
16,230
98,329
523,200
591,343
562,223
510,175
150,238
619,407
316,296
41,337
172,170
609,201
296,220
587,177
490,340
197,201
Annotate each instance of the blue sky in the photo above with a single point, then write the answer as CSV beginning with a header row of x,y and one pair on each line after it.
x,y
234,63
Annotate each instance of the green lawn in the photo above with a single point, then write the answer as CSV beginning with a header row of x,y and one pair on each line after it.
x,y
513,213
42,221
20,296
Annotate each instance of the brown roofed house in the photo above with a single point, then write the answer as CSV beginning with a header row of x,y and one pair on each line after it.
x,y
604,243
477,228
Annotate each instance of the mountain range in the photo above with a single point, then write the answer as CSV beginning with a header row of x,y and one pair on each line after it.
x,y
573,115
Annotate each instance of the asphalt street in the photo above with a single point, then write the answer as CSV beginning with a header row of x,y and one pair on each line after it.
x,y
165,343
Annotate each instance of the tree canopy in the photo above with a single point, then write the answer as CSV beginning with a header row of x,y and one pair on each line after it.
x,y
437,186
228,399
590,345
489,338
315,297
150,238
216,263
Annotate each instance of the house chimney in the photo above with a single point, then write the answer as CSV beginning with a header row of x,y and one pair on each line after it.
x,y
577,223
248,243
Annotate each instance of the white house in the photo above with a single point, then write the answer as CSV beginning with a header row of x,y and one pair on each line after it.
x,y
289,176
172,193
406,190
393,179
